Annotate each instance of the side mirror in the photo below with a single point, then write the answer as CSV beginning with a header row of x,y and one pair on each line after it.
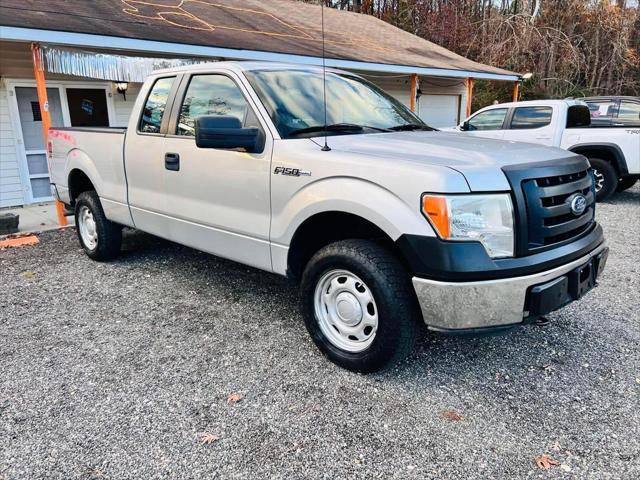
x,y
218,131
465,126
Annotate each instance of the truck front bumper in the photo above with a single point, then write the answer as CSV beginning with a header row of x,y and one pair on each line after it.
x,y
503,302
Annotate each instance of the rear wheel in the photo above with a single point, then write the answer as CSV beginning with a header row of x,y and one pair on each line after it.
x,y
359,306
99,237
605,176
626,183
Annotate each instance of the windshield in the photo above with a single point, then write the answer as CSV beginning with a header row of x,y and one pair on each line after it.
x,y
293,99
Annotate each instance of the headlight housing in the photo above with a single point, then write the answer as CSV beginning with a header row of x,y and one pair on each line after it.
x,y
486,218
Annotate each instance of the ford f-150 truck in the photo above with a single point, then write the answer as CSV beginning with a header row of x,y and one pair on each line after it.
x,y
387,225
613,150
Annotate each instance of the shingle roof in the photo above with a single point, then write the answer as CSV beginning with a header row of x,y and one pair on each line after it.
x,y
281,26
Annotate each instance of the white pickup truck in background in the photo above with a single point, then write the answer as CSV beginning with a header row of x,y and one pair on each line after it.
x,y
613,150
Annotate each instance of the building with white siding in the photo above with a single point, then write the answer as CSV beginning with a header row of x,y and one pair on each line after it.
x,y
90,46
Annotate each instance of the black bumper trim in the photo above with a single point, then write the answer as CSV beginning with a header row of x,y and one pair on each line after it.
x,y
432,258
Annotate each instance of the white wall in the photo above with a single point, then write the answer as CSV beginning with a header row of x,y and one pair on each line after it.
x,y
10,185
123,107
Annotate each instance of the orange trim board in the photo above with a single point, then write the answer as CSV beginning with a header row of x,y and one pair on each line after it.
x,y
23,241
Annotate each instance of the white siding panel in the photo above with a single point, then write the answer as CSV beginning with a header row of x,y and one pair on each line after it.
x,y
11,191
123,108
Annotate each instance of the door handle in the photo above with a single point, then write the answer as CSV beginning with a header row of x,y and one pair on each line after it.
x,y
172,161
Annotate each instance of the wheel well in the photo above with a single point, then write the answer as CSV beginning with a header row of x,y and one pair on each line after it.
x,y
328,227
78,182
604,152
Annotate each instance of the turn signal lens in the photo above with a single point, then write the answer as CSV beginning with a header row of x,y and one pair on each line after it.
x,y
438,212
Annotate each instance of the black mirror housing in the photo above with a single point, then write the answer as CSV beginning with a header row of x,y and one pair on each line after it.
x,y
226,132
465,126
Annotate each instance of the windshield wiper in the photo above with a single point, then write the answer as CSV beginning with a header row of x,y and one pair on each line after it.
x,y
335,127
407,127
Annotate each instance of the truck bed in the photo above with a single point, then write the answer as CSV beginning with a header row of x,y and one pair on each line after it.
x,y
96,151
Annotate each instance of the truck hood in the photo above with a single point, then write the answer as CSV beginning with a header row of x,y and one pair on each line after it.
x,y
480,160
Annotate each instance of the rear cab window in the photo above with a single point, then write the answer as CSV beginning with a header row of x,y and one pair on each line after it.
x,y
578,116
155,106
531,117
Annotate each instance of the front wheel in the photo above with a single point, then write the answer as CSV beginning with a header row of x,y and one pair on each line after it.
x,y
605,176
99,237
626,183
359,306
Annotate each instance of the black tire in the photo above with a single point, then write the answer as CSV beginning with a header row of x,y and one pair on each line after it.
x,y
606,178
109,234
626,183
389,283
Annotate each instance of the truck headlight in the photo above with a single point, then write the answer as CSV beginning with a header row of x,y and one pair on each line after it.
x,y
486,218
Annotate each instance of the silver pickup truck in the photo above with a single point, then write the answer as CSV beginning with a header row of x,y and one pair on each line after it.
x,y
386,225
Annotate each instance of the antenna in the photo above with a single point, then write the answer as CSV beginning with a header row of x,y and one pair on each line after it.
x,y
325,148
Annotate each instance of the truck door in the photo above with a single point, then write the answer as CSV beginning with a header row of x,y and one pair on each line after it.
x,y
144,158
531,124
217,200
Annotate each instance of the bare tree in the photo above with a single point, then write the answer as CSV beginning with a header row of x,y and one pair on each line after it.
x,y
573,47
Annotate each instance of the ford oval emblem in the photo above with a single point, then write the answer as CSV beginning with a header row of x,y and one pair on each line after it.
x,y
578,204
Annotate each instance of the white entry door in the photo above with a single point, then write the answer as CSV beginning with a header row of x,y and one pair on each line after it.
x,y
439,111
71,104
38,188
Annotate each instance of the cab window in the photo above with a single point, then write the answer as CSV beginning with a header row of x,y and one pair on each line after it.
x,y
489,120
154,107
213,95
531,117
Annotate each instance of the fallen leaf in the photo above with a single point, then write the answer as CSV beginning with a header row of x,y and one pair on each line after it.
x,y
451,415
545,462
234,398
207,438
28,274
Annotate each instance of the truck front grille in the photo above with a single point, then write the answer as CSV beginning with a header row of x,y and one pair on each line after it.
x,y
543,197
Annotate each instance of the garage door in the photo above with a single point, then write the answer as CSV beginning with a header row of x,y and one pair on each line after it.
x,y
439,110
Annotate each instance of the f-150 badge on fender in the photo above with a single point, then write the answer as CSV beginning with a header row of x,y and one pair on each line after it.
x,y
292,172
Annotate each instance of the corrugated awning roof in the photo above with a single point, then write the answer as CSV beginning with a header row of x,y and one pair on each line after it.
x,y
279,26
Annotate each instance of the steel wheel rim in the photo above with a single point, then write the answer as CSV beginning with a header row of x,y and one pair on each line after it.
x,y
599,179
346,311
87,227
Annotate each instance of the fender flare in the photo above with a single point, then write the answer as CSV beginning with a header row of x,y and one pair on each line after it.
x,y
619,160
78,160
351,195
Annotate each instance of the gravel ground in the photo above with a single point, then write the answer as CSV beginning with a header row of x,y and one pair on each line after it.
x,y
119,370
